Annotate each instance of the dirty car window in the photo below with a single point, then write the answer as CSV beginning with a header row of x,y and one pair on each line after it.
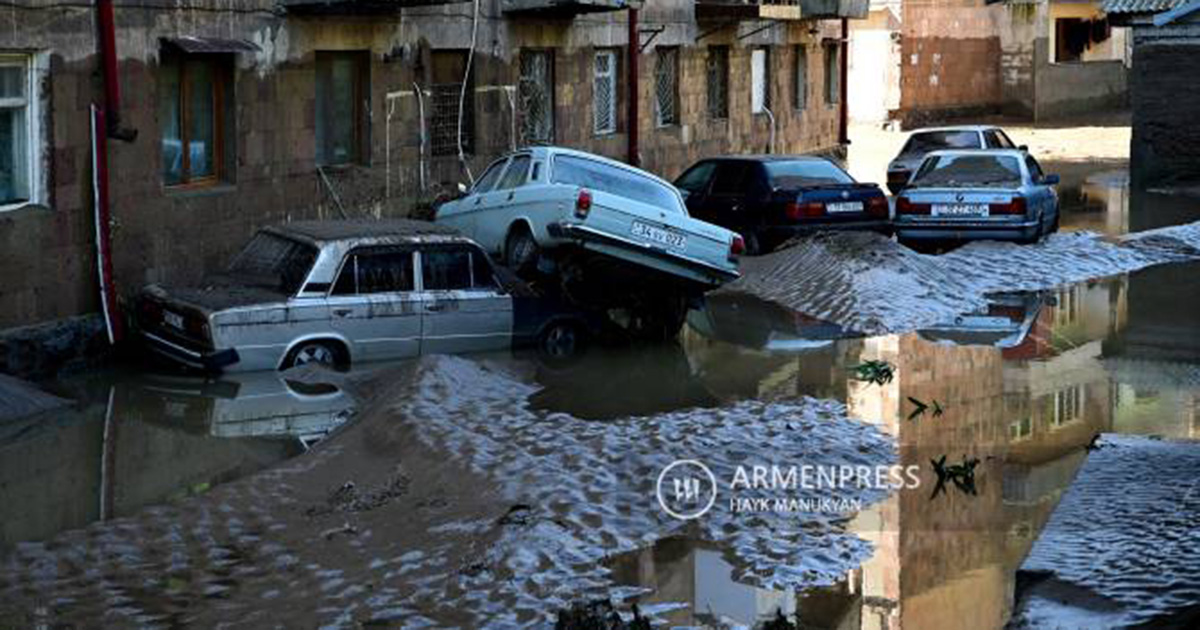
x,y
938,140
798,174
488,179
988,171
577,171
376,272
515,175
454,268
273,262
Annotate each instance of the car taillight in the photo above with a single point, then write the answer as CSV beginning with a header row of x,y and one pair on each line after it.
x,y
904,206
878,207
197,328
1016,206
737,247
796,210
792,211
583,204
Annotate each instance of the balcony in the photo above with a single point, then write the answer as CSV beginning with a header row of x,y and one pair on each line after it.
x,y
355,7
565,8
781,9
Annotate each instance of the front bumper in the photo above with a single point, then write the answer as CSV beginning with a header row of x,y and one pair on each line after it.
x,y
213,360
965,230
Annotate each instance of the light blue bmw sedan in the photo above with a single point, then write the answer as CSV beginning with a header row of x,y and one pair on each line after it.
x,y
978,195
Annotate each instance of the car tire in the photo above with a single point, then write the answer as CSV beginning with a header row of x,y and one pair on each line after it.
x,y
657,320
521,251
561,341
322,353
753,245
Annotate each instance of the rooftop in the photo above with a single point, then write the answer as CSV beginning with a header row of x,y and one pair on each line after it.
x,y
1139,6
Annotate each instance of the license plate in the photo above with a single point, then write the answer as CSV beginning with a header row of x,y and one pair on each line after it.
x,y
844,206
658,235
960,210
174,320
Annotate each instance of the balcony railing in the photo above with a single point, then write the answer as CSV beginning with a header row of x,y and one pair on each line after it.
x,y
565,8
782,9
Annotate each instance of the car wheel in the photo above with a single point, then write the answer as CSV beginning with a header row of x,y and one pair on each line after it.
x,y
753,246
520,251
314,353
561,341
657,320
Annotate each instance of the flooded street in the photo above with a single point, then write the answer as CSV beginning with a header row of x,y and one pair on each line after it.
x,y
495,490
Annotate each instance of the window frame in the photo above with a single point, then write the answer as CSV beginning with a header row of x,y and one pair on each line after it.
x,y
613,78
833,74
474,251
800,77
220,67
765,104
717,56
361,94
550,90
667,57
36,144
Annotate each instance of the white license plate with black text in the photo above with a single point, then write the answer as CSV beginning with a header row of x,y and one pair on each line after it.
x,y
658,235
843,206
174,320
960,210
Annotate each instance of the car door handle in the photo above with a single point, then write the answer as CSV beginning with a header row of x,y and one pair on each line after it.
x,y
341,312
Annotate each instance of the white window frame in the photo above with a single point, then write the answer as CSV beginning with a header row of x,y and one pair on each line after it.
x,y
601,127
760,80
35,66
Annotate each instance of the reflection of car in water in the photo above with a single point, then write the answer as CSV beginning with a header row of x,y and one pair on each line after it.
x,y
749,321
1005,323
336,292
254,404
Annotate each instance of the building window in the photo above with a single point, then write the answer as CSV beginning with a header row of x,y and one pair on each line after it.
x,y
446,88
20,137
718,82
343,87
760,80
604,92
833,74
666,87
1074,38
1068,405
535,93
193,109
800,74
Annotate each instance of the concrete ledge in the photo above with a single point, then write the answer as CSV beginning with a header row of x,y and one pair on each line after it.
x,y
43,350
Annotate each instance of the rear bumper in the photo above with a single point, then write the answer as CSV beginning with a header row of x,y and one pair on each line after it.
x,y
784,232
692,268
213,360
965,230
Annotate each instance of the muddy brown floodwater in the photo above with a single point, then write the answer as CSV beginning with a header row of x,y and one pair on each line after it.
x,y
487,492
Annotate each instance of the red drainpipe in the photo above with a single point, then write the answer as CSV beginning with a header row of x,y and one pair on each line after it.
x,y
631,113
112,80
844,123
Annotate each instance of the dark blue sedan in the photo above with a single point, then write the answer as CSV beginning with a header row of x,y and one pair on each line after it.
x,y
769,199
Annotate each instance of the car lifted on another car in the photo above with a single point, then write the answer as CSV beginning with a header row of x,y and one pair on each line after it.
x,y
336,292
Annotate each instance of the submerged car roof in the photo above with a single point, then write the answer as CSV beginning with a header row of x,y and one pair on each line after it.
x,y
382,229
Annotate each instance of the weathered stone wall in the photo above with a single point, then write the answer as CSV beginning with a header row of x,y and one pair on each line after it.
x,y
173,235
1165,98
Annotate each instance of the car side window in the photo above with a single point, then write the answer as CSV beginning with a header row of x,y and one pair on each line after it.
x,y
730,179
489,177
1005,141
991,140
514,177
1035,171
389,271
696,178
456,268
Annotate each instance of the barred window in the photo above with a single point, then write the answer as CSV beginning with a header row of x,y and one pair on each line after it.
x,y
833,72
535,94
604,97
449,68
801,76
666,87
718,82
760,80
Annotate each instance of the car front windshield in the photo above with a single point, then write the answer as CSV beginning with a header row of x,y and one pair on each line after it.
x,y
802,173
922,143
578,171
969,171
270,261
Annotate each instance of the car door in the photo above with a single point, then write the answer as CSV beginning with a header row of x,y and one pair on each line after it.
x,y
463,308
693,184
470,213
1044,199
374,303
507,200
727,196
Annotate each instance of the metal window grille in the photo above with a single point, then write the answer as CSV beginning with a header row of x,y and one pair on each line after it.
x,y
604,101
801,76
718,82
443,121
666,87
535,91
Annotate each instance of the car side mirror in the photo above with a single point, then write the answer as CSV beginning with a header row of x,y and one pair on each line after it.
x,y
1051,180
462,188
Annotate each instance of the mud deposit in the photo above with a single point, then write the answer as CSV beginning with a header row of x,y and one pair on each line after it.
x,y
448,503
872,285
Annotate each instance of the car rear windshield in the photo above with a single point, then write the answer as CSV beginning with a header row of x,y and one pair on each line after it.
x,y
802,173
939,140
957,171
593,175
273,262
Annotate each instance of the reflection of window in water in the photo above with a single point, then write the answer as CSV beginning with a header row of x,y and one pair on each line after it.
x,y
1068,405
1020,429
1067,311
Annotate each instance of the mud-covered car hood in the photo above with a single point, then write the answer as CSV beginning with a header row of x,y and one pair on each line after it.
x,y
216,293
